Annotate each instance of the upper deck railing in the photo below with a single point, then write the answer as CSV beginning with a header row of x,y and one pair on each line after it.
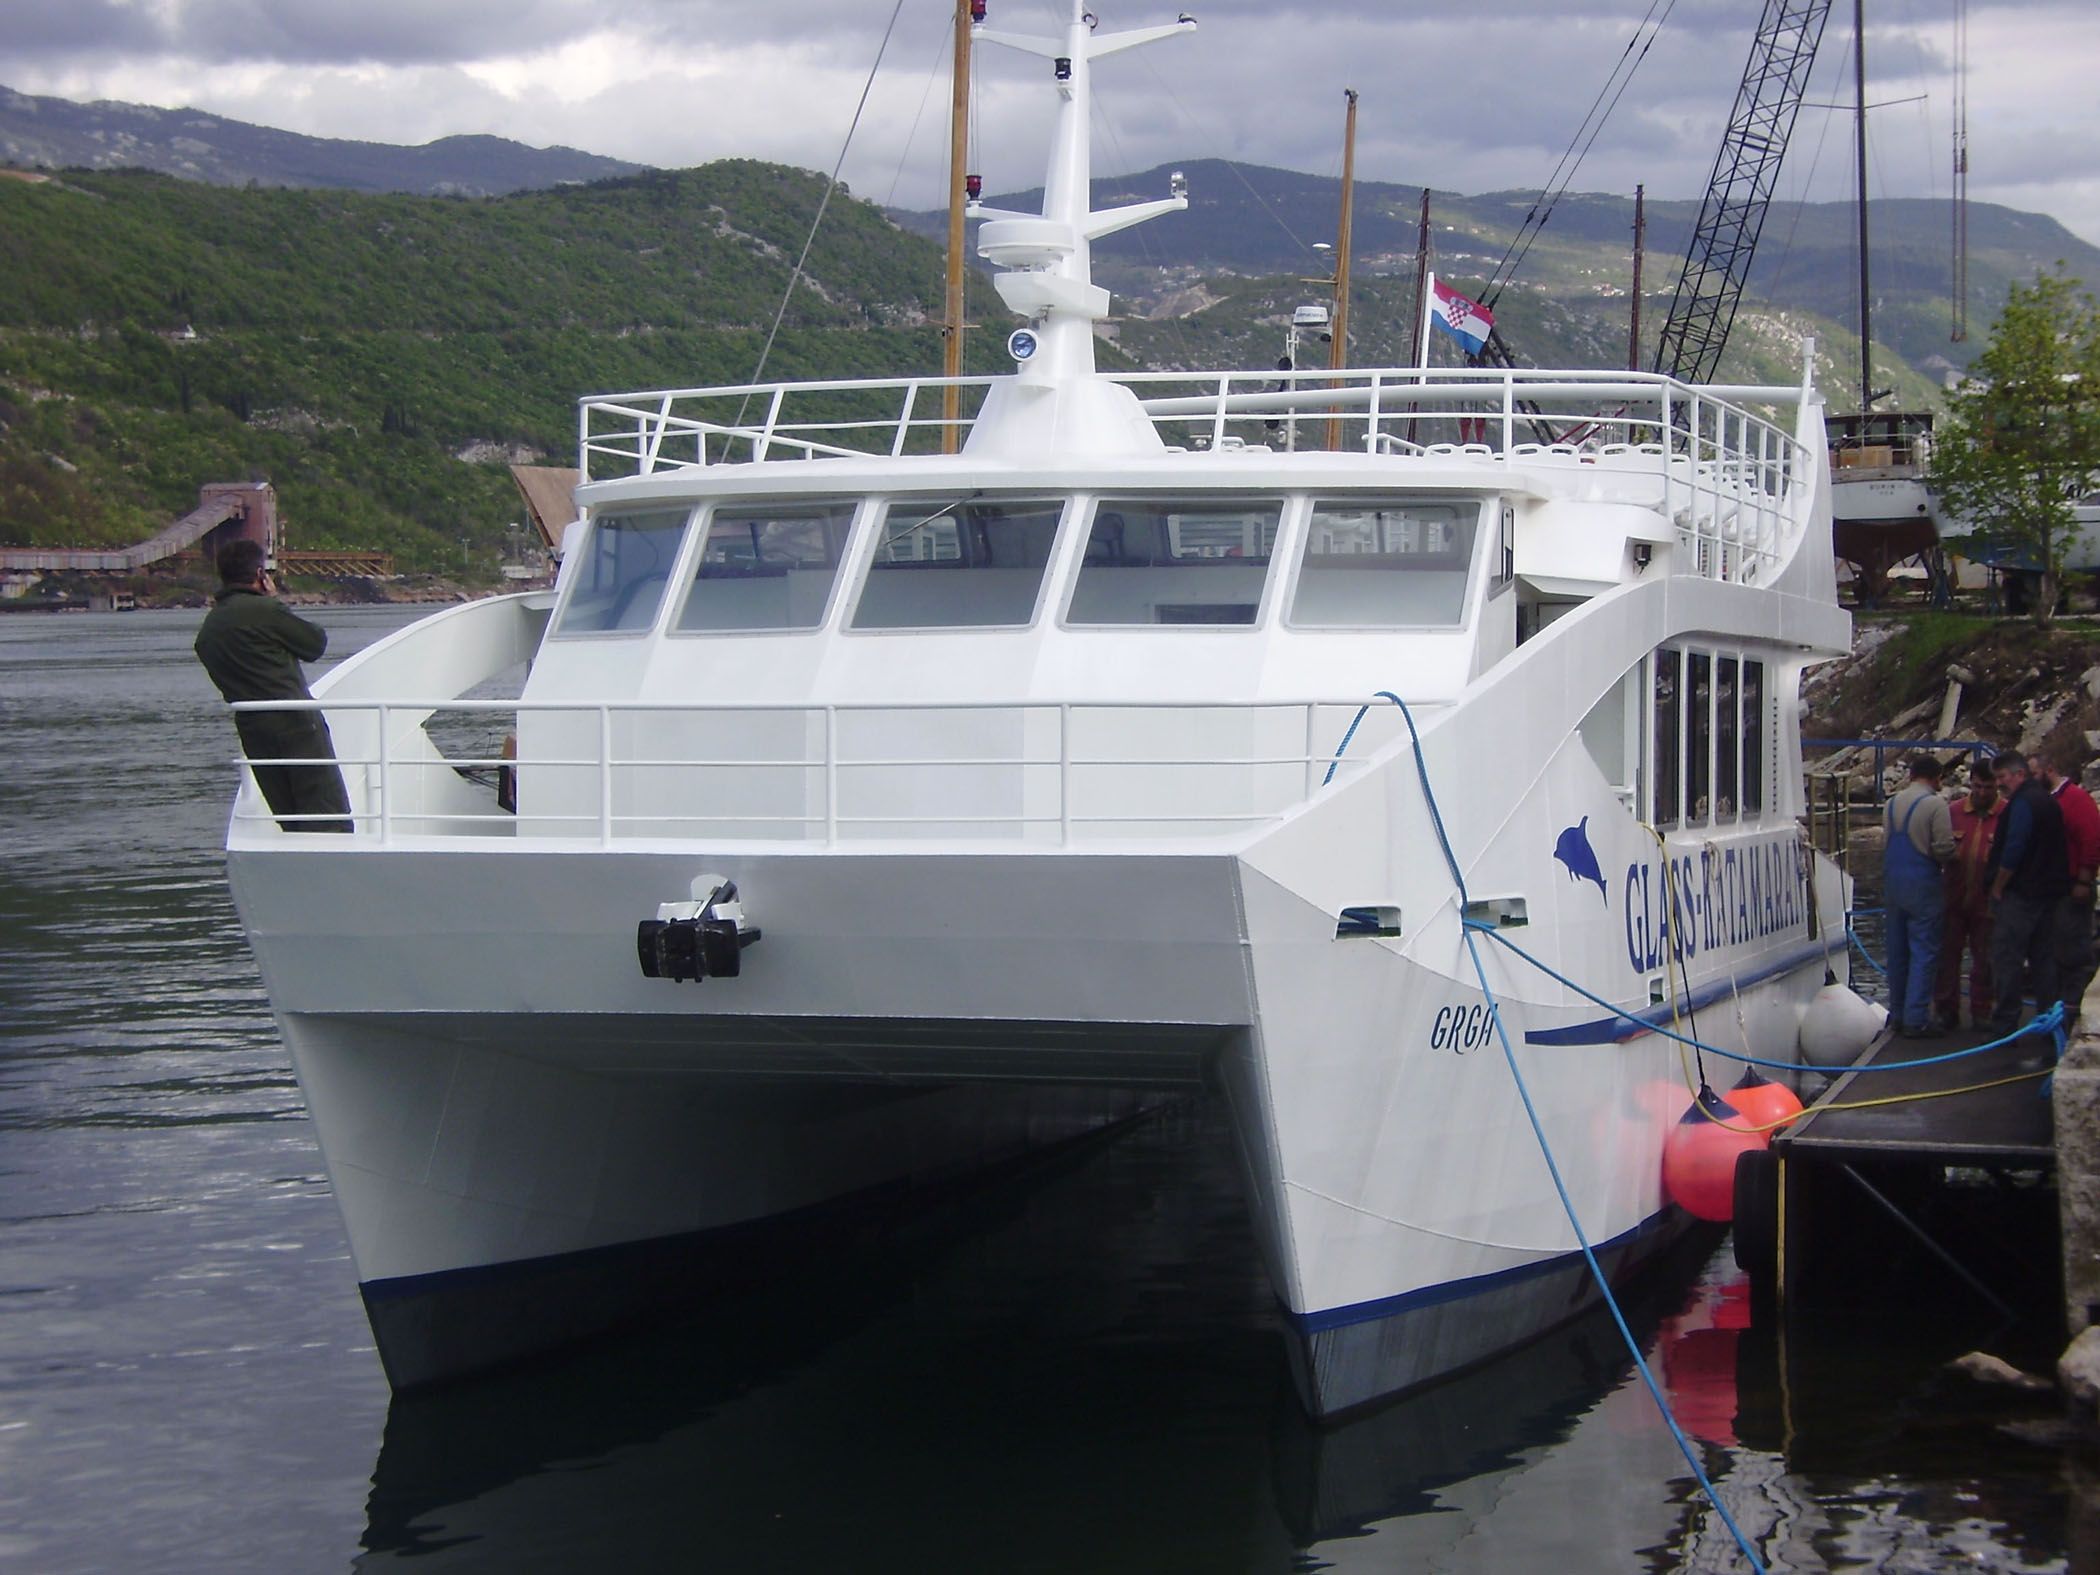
x,y
1724,471
1040,773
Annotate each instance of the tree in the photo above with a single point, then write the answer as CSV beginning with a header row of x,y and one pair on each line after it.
x,y
2023,440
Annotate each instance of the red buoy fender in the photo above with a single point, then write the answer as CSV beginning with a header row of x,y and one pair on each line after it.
x,y
1764,1103
1699,1156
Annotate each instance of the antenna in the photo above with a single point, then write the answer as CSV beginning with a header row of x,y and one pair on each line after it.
x,y
1960,326
1045,259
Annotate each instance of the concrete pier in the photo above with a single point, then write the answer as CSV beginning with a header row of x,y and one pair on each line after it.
x,y
2077,1117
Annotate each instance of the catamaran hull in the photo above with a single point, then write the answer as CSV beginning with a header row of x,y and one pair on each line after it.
x,y
530,1142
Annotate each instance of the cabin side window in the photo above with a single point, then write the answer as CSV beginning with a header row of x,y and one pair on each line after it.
x,y
1727,739
1756,730
1167,561
1709,738
1664,735
627,563
958,563
767,566
1698,738
1385,563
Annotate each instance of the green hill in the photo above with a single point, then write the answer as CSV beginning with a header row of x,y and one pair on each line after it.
x,y
378,357
1250,220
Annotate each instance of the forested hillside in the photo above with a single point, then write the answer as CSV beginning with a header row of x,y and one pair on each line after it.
x,y
379,357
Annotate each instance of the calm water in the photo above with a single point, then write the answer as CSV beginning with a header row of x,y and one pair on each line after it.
x,y
1078,1374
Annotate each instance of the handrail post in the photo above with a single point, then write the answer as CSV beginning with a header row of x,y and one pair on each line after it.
x,y
1064,775
831,776
765,438
605,779
1371,419
1509,411
653,442
1217,421
386,808
911,403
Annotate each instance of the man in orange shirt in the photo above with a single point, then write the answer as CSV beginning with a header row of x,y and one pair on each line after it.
x,y
1968,891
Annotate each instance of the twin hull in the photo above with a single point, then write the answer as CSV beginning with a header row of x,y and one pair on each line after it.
x,y
516,1121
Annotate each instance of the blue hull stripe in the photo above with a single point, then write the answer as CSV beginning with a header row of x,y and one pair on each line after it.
x,y
1617,1030
1478,1285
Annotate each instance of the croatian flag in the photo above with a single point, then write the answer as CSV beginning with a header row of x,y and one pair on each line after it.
x,y
1468,322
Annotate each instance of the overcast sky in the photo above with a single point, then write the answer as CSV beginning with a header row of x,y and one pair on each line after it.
x,y
1473,96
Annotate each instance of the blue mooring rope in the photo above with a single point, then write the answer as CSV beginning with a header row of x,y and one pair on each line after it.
x,y
1538,1131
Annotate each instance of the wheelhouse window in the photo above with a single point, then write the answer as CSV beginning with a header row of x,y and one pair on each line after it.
x,y
958,563
1391,563
1174,561
767,566
627,562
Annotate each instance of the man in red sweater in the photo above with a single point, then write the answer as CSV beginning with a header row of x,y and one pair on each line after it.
x,y
1968,887
2074,915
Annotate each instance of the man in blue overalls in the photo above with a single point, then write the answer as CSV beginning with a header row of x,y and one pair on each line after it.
x,y
1920,841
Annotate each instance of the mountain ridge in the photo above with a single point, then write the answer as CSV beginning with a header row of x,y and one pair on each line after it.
x,y
191,144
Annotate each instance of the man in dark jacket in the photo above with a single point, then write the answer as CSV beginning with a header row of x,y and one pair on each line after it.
x,y
252,644
2030,876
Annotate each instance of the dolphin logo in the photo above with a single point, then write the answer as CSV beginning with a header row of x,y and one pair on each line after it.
x,y
1573,849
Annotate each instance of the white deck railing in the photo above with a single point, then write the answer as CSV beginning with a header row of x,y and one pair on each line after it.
x,y
1726,476
1049,773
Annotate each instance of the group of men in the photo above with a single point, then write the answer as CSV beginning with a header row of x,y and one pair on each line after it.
x,y
2005,873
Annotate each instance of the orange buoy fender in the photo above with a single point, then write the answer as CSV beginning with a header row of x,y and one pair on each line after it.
x,y
1699,1156
1763,1102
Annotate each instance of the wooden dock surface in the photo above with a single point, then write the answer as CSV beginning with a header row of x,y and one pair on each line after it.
x,y
2006,1126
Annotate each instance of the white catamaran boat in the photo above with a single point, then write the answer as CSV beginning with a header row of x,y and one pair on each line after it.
x,y
883,814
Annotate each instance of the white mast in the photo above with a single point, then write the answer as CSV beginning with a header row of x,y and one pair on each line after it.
x,y
1047,270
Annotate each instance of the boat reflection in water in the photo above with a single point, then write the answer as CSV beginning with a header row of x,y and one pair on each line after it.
x,y
1084,1371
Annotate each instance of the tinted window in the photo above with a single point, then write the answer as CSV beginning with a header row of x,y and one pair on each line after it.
x,y
767,566
1753,737
1668,675
1698,741
1157,561
1391,563
1726,739
957,563
626,564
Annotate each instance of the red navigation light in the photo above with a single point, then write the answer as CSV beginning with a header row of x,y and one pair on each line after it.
x,y
977,10
974,185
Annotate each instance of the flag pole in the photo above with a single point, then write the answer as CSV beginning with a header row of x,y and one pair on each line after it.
x,y
1428,306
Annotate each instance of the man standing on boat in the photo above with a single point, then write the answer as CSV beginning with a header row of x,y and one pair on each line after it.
x,y
2074,915
1975,818
2030,875
1920,842
252,644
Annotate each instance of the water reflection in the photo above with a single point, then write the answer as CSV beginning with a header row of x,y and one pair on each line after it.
x,y
1084,1376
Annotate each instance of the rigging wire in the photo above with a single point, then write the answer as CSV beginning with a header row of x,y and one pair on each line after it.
x,y
1645,32
1238,174
933,75
1152,259
830,186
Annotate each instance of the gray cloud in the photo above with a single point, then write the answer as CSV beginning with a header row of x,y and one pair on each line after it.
x,y
1484,98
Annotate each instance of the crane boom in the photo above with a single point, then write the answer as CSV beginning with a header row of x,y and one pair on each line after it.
x,y
1739,192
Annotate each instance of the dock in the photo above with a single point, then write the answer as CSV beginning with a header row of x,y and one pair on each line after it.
x,y
1878,1192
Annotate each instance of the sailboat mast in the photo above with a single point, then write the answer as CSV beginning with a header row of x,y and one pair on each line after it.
x,y
958,161
1338,355
1859,91
1640,242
